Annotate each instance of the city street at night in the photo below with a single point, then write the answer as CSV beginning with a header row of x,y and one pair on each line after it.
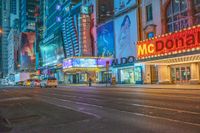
x,y
99,66
82,109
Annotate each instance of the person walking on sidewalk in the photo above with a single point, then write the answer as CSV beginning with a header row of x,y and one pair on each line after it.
x,y
90,82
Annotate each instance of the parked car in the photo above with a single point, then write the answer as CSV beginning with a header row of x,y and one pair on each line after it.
x,y
27,82
49,82
35,83
20,83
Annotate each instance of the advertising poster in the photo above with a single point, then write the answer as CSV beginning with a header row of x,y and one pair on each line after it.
x,y
121,5
105,40
126,35
27,57
51,54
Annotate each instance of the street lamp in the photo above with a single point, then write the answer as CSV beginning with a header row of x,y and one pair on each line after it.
x,y
1,31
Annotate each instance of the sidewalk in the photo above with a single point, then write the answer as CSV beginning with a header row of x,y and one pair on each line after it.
x,y
153,86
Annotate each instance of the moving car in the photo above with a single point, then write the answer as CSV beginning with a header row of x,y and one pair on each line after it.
x,y
49,82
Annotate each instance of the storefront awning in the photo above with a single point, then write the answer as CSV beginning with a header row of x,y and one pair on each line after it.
x,y
84,64
175,60
77,70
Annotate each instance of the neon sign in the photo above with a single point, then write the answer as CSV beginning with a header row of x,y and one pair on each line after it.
x,y
178,42
85,62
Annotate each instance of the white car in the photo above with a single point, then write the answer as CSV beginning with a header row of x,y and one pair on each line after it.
x,y
49,82
35,83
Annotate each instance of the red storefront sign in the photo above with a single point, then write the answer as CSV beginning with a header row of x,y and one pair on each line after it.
x,y
178,42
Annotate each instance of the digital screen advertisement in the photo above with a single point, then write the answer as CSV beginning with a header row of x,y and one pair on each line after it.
x,y
126,35
27,57
85,62
121,5
79,62
105,40
52,53
67,63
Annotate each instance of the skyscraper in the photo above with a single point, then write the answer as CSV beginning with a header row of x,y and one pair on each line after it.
x,y
1,74
6,29
27,15
13,38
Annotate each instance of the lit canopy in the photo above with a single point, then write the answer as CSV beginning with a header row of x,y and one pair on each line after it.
x,y
81,64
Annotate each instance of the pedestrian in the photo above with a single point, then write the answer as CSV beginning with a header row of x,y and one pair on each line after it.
x,y
90,82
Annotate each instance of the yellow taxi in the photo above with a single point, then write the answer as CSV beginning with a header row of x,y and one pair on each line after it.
x,y
28,82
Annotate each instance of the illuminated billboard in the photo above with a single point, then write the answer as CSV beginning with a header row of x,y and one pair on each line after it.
x,y
105,40
27,57
85,62
121,5
51,54
52,50
179,42
79,63
126,35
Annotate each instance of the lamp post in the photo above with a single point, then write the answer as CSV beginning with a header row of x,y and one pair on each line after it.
x,y
1,31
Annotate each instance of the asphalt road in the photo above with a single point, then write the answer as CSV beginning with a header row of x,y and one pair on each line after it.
x,y
100,110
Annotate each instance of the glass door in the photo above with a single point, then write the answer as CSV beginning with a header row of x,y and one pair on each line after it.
x,y
178,78
181,74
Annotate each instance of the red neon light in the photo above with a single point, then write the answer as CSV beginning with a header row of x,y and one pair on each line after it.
x,y
181,41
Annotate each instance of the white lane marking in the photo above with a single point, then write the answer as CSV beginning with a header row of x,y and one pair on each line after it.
x,y
147,106
191,97
71,108
169,109
64,100
14,98
79,110
75,96
139,105
163,118
138,114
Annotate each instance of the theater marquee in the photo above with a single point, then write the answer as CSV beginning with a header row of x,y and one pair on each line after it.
x,y
173,43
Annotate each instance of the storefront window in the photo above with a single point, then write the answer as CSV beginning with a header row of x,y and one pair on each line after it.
x,y
173,75
83,77
177,17
183,74
138,74
188,73
127,76
180,74
177,74
106,76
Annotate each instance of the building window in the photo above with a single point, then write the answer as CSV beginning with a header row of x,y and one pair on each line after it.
x,y
149,12
150,35
177,16
196,12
